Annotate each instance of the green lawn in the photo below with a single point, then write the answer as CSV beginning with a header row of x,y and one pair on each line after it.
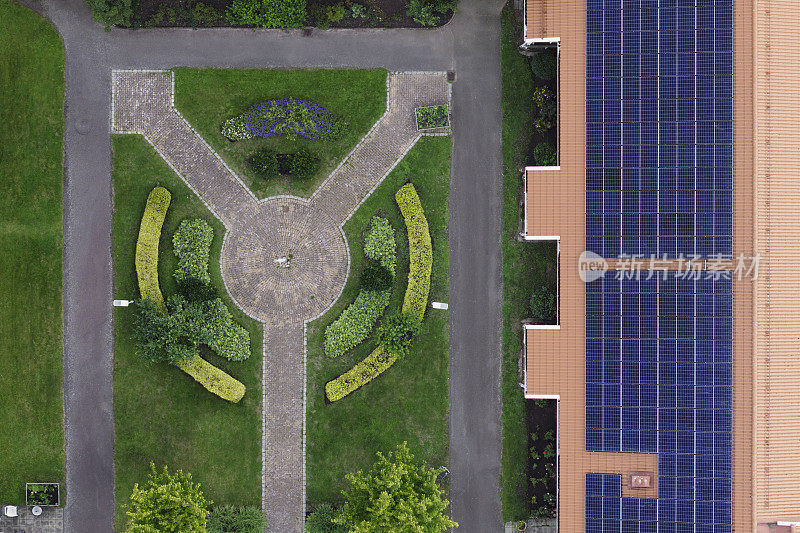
x,y
208,97
31,166
161,414
525,265
409,402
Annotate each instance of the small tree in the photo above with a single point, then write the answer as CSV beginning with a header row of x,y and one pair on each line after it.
x,y
168,503
303,164
397,494
396,333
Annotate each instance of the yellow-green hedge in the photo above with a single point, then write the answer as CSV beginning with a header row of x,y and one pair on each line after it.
x,y
209,376
213,379
420,252
362,373
414,302
147,245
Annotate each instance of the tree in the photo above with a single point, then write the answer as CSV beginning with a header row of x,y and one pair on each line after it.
x,y
398,494
168,503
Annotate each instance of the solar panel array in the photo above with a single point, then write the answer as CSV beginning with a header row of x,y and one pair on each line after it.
x,y
659,380
607,511
659,130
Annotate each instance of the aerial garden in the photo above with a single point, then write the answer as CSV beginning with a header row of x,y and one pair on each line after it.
x,y
377,360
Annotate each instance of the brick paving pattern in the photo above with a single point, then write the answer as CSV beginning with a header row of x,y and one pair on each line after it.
x,y
50,521
284,260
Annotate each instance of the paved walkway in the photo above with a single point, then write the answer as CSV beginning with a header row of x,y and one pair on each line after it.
x,y
284,260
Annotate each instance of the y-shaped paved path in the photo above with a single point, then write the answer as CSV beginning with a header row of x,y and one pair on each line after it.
x,y
261,233
469,44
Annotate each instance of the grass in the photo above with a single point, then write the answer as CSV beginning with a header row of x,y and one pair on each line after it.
x,y
525,265
409,402
208,97
161,414
31,164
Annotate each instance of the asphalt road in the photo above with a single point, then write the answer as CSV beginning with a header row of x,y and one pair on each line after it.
x,y
469,44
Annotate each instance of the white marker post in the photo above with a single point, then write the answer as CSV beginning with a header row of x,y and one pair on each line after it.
x,y
122,303
439,305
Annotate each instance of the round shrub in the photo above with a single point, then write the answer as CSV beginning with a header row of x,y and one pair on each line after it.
x,y
376,277
303,164
543,305
265,164
396,333
546,109
236,519
545,155
196,290
544,65
321,521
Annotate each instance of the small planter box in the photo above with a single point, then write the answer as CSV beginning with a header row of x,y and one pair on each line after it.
x,y
43,494
432,117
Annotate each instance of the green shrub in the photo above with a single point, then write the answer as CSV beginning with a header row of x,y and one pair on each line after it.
x,y
204,15
112,12
147,246
192,246
543,305
358,11
419,250
319,16
396,333
544,65
336,13
376,277
356,322
544,154
158,340
267,13
236,519
544,101
436,116
303,164
265,164
321,521
380,244
422,12
196,290
362,373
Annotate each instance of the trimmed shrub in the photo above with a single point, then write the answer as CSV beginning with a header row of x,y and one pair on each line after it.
x,y
397,332
155,211
196,290
376,277
267,13
544,154
221,332
546,109
543,305
112,12
192,246
213,379
303,164
362,373
265,164
380,244
236,519
356,322
292,117
544,65
321,521
419,250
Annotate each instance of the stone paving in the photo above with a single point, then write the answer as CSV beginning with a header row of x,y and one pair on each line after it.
x,y
50,521
284,260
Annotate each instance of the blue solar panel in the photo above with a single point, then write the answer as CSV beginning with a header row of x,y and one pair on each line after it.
x,y
659,100
659,380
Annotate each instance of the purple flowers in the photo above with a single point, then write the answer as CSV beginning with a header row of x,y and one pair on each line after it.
x,y
286,116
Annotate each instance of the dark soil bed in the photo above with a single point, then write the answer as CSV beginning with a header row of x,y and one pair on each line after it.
x,y
380,13
541,418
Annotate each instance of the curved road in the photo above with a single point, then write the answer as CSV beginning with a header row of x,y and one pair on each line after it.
x,y
469,44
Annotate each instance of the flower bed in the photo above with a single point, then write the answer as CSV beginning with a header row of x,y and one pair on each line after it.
x,y
42,494
286,116
437,116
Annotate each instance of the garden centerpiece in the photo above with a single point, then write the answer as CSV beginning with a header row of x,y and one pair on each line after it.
x,y
293,117
42,494
436,116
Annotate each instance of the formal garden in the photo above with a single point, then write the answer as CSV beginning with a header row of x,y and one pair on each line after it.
x,y
281,131
31,367
529,286
322,14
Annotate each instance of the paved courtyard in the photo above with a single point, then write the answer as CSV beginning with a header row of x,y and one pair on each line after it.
x,y
50,521
284,259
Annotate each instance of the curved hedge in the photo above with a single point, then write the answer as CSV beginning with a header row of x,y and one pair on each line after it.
x,y
420,252
146,260
147,246
414,302
362,373
356,322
